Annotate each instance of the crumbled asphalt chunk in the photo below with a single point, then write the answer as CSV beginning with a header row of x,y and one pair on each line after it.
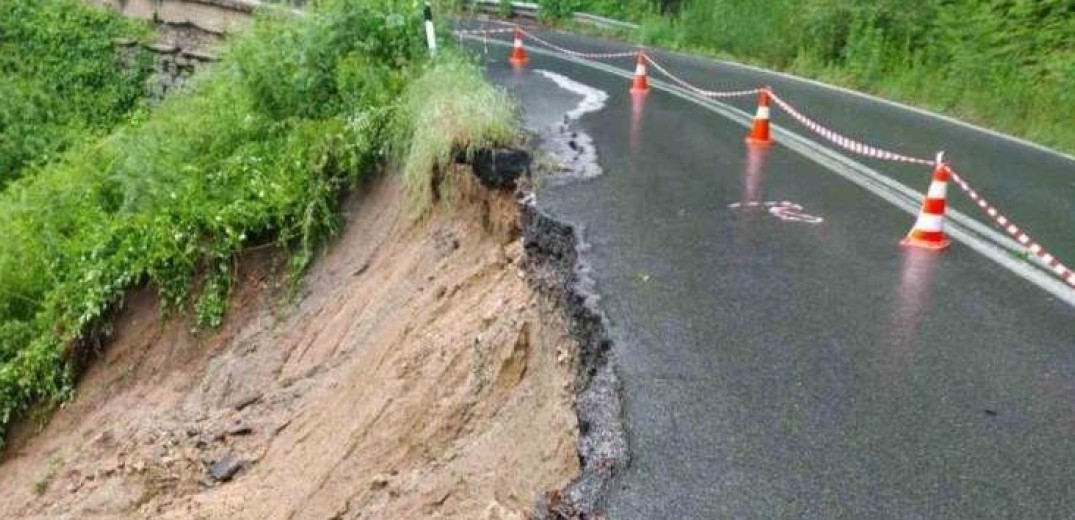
x,y
501,168
555,270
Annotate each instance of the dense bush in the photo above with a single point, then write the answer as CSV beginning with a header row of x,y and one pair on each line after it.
x,y
1009,64
558,9
61,78
257,152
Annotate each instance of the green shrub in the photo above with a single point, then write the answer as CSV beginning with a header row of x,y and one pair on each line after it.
x,y
62,79
553,10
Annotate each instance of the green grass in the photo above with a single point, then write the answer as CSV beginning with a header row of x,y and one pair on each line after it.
x,y
257,152
1004,64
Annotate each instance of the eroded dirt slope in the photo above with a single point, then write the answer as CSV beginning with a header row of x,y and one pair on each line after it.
x,y
417,376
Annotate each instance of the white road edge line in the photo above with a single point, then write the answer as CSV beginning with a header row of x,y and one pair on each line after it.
x,y
993,245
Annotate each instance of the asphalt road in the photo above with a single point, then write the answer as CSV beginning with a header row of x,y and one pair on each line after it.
x,y
782,369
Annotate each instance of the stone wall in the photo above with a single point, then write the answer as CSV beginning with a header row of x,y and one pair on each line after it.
x,y
173,66
212,16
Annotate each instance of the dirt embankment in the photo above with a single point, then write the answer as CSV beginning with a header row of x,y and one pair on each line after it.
x,y
416,376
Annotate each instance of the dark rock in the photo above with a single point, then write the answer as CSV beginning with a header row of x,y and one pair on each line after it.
x,y
240,429
224,469
500,168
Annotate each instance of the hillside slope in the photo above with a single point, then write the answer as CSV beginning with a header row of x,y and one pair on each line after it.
x,y
417,375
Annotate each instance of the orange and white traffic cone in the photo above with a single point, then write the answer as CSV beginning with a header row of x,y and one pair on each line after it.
x,y
928,231
641,81
518,54
759,133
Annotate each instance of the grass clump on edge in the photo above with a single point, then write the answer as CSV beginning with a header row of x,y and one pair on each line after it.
x,y
449,109
259,151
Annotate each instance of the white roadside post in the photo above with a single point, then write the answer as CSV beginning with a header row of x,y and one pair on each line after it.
x,y
431,35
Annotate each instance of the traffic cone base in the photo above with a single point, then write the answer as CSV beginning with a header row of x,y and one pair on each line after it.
x,y
934,242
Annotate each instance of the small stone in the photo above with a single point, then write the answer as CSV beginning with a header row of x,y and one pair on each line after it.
x,y
378,483
240,429
224,469
246,401
440,292
513,252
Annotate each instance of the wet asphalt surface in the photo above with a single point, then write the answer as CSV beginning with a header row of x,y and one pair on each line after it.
x,y
777,369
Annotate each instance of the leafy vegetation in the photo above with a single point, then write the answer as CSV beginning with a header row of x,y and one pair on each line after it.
x,y
256,152
61,78
1009,64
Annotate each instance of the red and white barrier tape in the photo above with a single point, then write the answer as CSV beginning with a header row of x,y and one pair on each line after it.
x,y
700,91
1009,227
481,32
576,54
843,141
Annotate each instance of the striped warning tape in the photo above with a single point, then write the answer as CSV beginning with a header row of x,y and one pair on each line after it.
x,y
479,32
1009,227
843,141
577,54
700,91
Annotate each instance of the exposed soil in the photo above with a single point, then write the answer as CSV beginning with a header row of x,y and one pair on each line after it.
x,y
416,376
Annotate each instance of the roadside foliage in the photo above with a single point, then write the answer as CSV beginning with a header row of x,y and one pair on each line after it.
x,y
1006,64
257,152
62,79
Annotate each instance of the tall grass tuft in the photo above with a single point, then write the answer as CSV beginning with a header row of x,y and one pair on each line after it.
x,y
449,109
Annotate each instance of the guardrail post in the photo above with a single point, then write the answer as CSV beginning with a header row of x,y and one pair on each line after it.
x,y
431,35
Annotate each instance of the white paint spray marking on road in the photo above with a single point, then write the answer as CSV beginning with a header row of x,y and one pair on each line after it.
x,y
783,210
592,99
577,153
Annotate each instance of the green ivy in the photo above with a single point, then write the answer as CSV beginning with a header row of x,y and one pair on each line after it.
x,y
62,78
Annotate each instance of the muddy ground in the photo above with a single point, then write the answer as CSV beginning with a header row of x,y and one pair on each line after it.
x,y
416,375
